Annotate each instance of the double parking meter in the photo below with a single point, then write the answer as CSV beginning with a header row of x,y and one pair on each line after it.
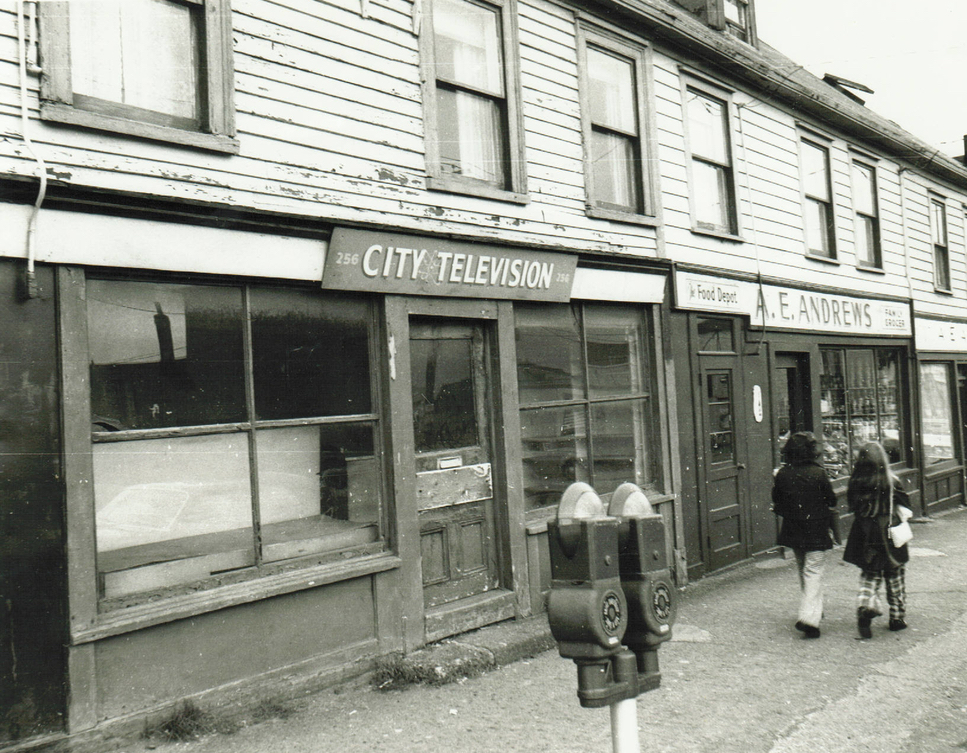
x,y
612,602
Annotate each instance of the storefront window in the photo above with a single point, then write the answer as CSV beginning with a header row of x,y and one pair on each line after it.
x,y
216,450
936,405
860,403
587,404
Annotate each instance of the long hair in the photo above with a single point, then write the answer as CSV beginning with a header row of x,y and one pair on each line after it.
x,y
871,473
802,448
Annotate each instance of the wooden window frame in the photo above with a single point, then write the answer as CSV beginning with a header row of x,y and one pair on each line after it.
x,y
710,91
58,103
941,250
640,57
829,203
436,178
874,218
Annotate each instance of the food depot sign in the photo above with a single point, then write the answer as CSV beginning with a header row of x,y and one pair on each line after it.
x,y
408,264
777,307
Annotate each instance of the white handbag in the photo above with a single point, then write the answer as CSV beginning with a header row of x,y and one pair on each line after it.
x,y
901,533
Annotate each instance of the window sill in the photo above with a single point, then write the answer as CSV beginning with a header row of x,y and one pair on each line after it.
x,y
722,235
467,187
616,215
822,259
870,270
61,113
190,605
943,291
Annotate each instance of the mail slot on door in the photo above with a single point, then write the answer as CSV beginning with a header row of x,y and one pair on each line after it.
x,y
453,486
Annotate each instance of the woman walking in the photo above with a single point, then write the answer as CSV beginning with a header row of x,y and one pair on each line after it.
x,y
803,497
874,495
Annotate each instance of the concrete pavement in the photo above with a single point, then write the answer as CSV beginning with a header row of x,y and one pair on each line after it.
x,y
736,677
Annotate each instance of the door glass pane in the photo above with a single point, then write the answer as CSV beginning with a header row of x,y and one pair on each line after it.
x,y
937,413
164,355
467,45
615,353
615,166
444,409
318,489
720,426
550,365
142,53
170,511
715,334
612,100
311,354
554,452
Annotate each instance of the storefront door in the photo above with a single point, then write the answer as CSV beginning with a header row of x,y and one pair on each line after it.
x,y
724,463
453,455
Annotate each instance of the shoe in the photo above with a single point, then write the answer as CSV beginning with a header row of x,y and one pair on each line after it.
x,y
810,631
898,625
801,626
863,619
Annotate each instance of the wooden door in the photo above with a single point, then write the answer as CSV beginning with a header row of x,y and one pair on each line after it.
x,y
725,480
453,457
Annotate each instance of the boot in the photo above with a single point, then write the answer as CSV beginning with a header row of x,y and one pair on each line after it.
x,y
898,624
863,619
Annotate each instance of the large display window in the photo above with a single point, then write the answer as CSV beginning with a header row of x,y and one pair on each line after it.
x,y
231,426
860,401
585,377
937,413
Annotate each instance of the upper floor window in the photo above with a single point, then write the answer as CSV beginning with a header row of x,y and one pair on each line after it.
x,y
711,171
738,17
160,69
941,251
867,216
817,199
614,121
735,17
471,100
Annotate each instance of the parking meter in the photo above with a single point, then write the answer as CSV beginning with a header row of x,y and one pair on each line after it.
x,y
645,579
587,609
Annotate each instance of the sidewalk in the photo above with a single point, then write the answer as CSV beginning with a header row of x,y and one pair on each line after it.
x,y
736,676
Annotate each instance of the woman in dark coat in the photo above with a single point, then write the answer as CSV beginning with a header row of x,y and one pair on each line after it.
x,y
869,546
803,497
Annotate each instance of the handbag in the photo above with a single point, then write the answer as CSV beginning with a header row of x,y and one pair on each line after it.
x,y
901,533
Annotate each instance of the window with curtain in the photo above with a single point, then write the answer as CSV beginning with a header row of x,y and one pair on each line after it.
x,y
937,413
588,409
860,402
231,427
612,76
867,216
161,69
818,199
941,250
711,169
471,125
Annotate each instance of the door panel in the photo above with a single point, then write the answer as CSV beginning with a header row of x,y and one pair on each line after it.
x,y
454,478
724,490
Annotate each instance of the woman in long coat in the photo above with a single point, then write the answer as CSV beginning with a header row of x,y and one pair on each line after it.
x,y
804,498
869,546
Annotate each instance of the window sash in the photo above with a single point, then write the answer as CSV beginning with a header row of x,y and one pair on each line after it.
x,y
941,253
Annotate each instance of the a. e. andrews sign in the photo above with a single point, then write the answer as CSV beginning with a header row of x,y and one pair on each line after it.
x,y
387,262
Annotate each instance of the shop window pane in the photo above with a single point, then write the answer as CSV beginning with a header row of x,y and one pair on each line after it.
x,y
550,365
554,451
616,361
171,511
318,489
311,354
888,402
444,408
937,414
164,355
620,450
833,405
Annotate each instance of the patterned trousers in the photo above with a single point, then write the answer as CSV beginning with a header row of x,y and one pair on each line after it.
x,y
896,591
